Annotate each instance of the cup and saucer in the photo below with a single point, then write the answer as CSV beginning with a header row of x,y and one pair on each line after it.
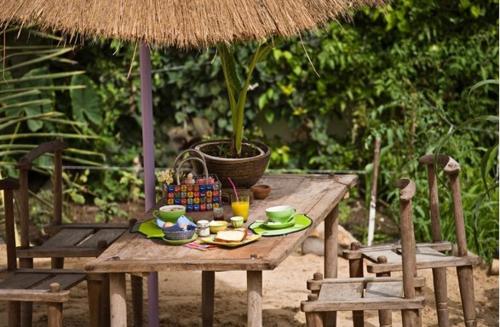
x,y
280,217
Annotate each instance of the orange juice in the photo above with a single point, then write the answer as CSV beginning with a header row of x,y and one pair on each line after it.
x,y
241,208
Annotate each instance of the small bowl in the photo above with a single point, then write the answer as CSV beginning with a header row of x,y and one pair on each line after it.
x,y
260,192
176,233
217,226
237,221
170,212
280,213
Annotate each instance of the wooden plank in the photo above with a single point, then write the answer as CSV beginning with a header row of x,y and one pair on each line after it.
x,y
392,257
383,290
356,254
22,281
106,235
33,295
454,262
315,285
341,291
67,238
66,252
363,304
66,281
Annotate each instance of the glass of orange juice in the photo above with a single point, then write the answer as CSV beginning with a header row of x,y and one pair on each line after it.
x,y
240,204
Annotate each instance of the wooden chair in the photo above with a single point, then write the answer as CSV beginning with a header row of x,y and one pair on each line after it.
x,y
69,240
433,255
373,293
50,286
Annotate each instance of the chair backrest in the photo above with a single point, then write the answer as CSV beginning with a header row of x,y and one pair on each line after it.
x,y
8,186
406,193
452,169
24,165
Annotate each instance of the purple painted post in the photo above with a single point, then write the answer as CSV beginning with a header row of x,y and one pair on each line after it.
x,y
149,168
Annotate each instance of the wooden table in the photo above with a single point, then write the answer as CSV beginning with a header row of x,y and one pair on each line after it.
x,y
317,196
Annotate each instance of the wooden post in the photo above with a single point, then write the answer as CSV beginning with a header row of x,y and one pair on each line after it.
x,y
10,236
207,298
14,314
384,316
356,270
438,274
55,316
330,260
254,294
465,275
314,319
57,263
373,198
26,307
117,293
137,296
411,318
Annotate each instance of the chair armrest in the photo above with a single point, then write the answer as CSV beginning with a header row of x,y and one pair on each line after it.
x,y
445,162
9,183
48,147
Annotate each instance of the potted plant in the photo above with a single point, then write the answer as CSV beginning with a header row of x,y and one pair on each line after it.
x,y
243,161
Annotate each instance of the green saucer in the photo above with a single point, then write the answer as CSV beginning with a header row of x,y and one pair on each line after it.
x,y
301,222
180,242
279,225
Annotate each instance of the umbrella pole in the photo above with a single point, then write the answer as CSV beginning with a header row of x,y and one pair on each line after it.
x,y
149,167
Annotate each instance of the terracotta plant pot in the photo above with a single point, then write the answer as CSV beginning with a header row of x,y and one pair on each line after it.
x,y
244,172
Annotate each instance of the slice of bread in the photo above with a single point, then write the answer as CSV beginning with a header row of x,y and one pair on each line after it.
x,y
230,236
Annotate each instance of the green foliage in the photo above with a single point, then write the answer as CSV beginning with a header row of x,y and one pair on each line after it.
x,y
236,88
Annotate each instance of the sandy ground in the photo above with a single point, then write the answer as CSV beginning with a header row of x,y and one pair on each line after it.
x,y
284,288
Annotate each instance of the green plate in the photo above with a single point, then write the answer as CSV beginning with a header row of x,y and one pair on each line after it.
x,y
278,225
248,239
150,230
301,222
180,242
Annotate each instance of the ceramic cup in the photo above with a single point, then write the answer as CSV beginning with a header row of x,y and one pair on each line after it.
x,y
237,221
280,214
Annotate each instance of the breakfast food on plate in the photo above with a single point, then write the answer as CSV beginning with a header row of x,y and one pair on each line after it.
x,y
236,235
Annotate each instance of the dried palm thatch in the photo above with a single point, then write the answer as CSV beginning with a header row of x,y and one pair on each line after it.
x,y
179,23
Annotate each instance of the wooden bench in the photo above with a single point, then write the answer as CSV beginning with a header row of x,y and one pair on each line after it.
x,y
28,285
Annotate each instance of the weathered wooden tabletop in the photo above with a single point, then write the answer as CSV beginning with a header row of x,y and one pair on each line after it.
x,y
314,195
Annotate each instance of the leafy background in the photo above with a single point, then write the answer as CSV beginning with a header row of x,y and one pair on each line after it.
x,y
421,75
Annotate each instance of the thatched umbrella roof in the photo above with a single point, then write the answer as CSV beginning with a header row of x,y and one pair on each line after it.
x,y
179,23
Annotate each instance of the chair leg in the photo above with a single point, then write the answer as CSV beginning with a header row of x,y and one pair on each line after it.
x,y
411,318
26,314
384,316
105,318
466,285
137,296
14,314
356,270
57,263
314,319
55,316
94,292
441,296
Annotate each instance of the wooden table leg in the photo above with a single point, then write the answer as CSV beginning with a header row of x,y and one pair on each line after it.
x,y
331,250
118,301
254,294
207,298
